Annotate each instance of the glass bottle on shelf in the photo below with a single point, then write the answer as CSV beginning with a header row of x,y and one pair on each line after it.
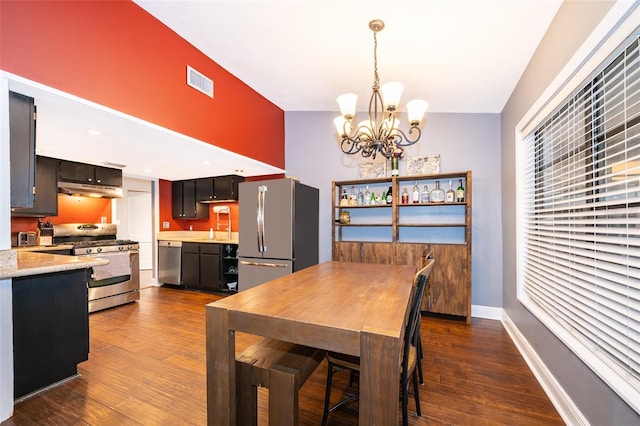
x,y
460,192
352,196
437,194
373,197
389,199
424,195
367,196
378,197
344,198
360,197
415,196
451,195
405,196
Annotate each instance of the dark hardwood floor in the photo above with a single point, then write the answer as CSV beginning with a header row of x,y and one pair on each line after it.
x,y
147,366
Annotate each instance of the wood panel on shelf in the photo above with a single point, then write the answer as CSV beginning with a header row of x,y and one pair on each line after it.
x,y
450,285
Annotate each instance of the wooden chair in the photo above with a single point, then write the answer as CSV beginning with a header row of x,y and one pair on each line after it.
x,y
282,367
339,362
426,256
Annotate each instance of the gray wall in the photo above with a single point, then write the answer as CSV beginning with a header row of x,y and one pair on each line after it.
x,y
464,142
573,23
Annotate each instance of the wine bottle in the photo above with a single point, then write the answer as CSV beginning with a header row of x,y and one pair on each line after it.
x,y
460,192
390,195
405,196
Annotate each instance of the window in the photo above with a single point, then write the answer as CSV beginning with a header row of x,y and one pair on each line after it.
x,y
579,258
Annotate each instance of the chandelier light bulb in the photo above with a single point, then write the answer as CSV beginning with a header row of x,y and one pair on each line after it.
x,y
391,93
416,110
347,103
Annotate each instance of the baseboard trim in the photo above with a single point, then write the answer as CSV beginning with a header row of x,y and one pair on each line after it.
x,y
559,398
486,312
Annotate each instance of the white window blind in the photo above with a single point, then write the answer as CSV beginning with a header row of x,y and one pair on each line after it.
x,y
579,265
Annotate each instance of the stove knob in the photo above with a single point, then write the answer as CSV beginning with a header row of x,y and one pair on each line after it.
x,y
121,248
88,251
99,249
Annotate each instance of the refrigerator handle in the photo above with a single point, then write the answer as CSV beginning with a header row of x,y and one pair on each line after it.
x,y
264,229
260,218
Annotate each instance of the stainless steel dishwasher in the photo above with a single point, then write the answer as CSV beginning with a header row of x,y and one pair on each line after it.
x,y
169,262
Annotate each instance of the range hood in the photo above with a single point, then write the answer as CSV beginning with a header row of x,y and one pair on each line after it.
x,y
87,190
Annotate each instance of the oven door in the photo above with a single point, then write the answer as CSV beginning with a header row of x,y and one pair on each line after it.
x,y
114,290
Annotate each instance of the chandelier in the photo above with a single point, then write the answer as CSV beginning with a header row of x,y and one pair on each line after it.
x,y
380,133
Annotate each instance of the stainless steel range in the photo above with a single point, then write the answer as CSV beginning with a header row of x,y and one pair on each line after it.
x,y
110,285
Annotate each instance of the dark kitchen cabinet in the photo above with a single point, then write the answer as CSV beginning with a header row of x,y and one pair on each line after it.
x,y
190,274
46,201
22,146
201,266
50,328
183,201
71,171
219,188
210,266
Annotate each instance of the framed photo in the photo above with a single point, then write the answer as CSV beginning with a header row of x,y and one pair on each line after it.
x,y
428,165
373,169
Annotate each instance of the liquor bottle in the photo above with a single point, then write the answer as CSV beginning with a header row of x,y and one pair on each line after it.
x,y
373,197
437,194
415,196
389,196
360,197
378,197
424,196
405,196
460,192
344,198
352,196
451,195
367,196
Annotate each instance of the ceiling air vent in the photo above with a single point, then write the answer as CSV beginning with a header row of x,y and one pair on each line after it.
x,y
199,82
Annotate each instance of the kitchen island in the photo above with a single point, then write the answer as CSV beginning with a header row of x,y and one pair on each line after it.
x,y
50,316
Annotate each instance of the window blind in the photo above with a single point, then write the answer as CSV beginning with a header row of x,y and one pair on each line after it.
x,y
579,264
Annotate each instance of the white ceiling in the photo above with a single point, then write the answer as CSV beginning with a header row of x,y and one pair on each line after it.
x,y
462,56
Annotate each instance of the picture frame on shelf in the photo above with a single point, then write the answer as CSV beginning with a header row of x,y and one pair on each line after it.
x,y
426,165
373,169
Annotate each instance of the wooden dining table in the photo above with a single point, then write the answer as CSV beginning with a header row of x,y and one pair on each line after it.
x,y
353,308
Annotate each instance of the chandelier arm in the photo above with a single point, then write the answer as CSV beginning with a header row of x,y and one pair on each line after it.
x,y
401,138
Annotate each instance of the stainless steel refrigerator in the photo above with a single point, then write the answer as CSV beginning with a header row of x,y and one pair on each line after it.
x,y
278,231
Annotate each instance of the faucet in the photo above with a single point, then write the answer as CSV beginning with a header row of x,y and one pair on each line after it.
x,y
224,210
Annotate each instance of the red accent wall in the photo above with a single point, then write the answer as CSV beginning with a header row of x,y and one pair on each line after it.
x,y
116,54
70,210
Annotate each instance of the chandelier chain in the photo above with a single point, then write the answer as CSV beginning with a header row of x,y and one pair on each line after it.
x,y
376,79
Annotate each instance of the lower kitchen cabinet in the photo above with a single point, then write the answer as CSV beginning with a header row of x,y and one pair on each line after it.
x,y
190,276
50,328
210,266
201,266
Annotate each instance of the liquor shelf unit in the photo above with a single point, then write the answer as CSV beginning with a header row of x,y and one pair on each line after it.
x,y
398,233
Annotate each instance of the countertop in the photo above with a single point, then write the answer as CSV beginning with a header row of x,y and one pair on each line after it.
x,y
44,248
200,237
20,263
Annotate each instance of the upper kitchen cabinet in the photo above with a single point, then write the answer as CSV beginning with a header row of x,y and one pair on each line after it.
x,y
71,171
22,141
218,189
183,201
46,201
